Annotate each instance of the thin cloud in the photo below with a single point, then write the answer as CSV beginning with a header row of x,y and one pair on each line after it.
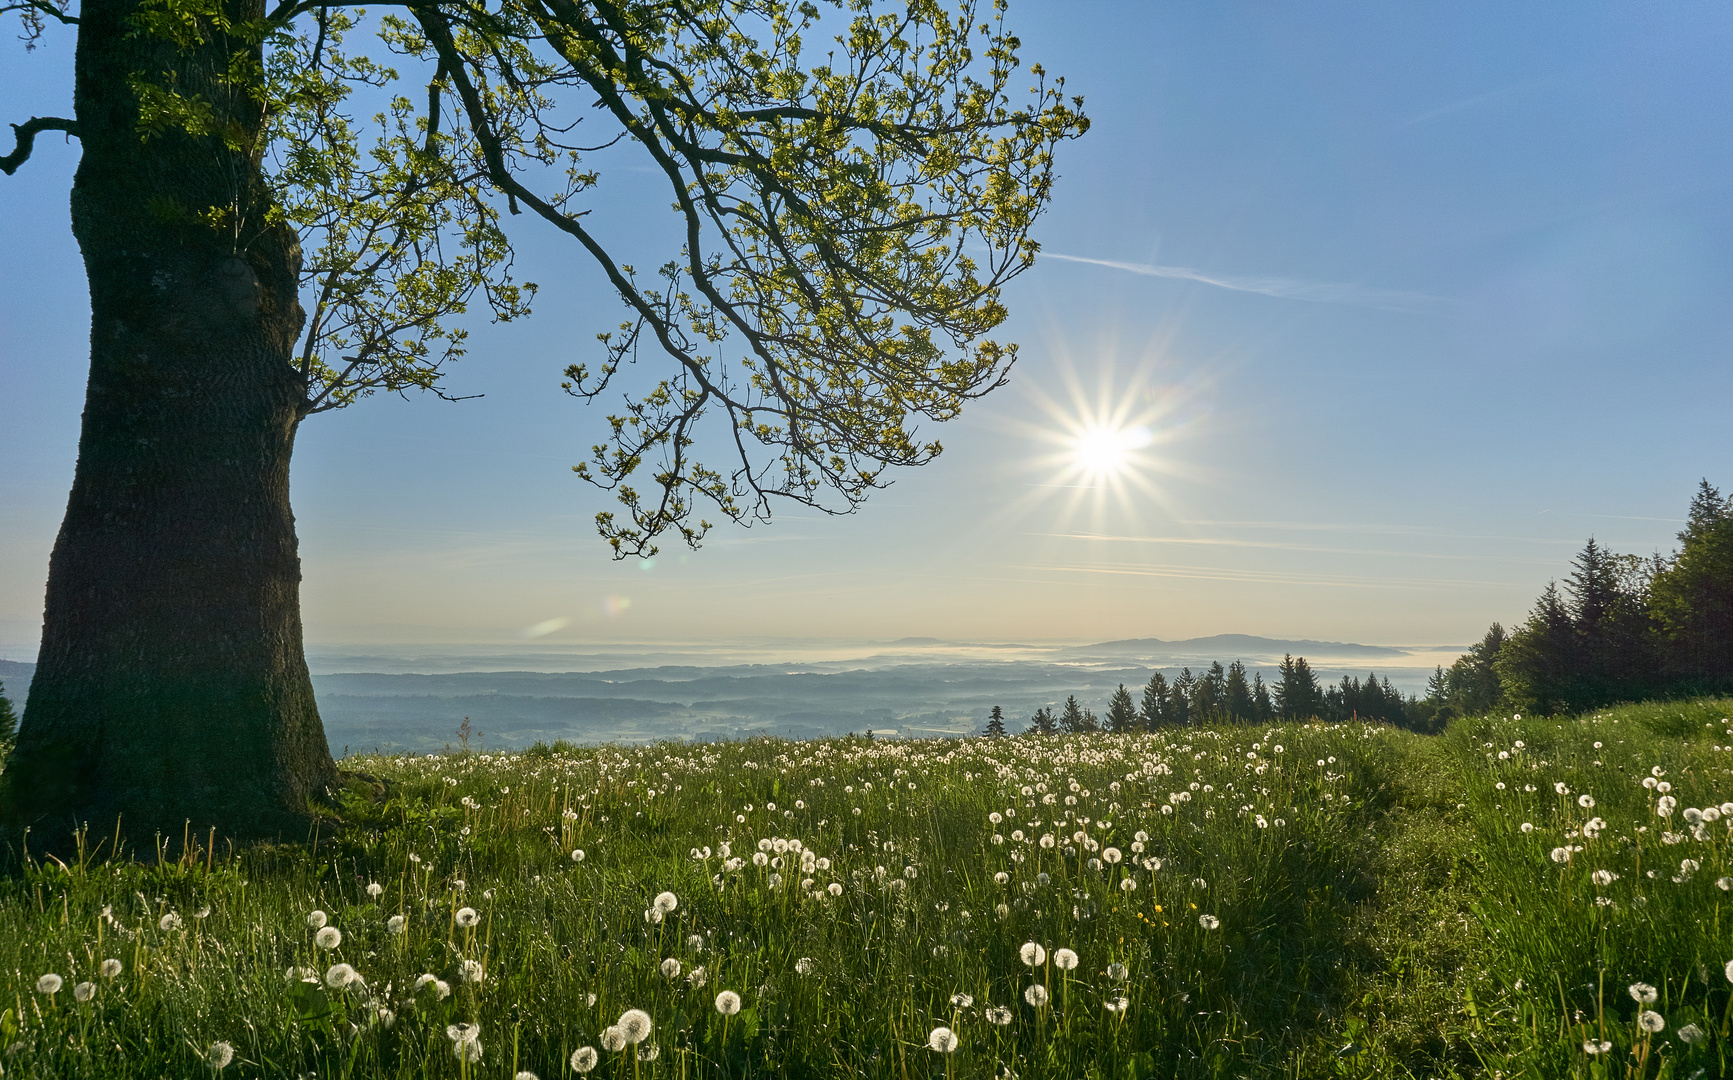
x,y
1205,573
1317,292
1278,545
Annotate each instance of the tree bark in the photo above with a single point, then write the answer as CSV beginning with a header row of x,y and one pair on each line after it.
x,y
171,687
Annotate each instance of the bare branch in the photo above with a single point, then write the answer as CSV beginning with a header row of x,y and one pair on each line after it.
x,y
25,134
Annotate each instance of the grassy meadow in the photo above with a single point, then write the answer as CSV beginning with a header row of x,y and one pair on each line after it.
x,y
1519,897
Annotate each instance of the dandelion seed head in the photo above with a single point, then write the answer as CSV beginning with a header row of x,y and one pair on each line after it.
x,y
467,917
341,976
1650,1020
375,890
584,1059
1642,993
219,1054
328,937
1208,922
84,991
1035,994
727,1003
110,968
1032,955
49,984
613,1039
317,919
395,924
942,1039
1691,1034
670,968
1064,959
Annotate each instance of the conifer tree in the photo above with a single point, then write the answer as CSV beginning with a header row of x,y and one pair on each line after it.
x,y
1692,597
1153,712
1237,694
1263,709
1071,716
1042,723
1121,712
996,723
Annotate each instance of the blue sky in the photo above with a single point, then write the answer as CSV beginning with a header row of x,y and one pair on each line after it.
x,y
1411,299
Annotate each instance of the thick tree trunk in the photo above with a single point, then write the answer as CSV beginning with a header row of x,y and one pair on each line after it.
x,y
171,686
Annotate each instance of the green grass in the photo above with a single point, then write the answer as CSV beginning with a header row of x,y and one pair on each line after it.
x,y
1374,907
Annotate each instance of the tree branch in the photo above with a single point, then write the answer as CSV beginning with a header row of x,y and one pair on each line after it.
x,y
25,134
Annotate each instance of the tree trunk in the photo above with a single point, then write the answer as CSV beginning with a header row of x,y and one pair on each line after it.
x,y
171,685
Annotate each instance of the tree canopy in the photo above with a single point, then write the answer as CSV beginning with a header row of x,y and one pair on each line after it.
x,y
854,185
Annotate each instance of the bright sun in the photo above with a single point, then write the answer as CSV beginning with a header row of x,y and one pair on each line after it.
x,y
1108,451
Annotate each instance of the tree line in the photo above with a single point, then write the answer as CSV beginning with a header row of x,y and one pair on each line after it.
x,y
1225,695
1621,628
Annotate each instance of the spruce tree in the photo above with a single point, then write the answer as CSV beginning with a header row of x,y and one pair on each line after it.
x,y
1121,713
1071,716
1263,710
1692,598
1153,713
1237,694
996,723
1042,723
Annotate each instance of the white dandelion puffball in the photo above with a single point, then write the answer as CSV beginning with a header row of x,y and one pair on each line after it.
x,y
1603,877
805,966
584,1059
467,917
1035,995
317,919
328,937
1650,1021
395,924
1587,802
467,1050
462,1032
219,1055
698,977
1117,971
1728,971
670,968
635,1025
110,968
1032,954
1117,1005
942,1039
1527,827
1128,885
169,923
666,902
577,854
613,1039
1064,959
649,1052
525,1075
84,991
1691,1034
727,1003
834,888
339,976
1208,922
1665,805
1111,855
472,971
1596,1046
998,1014
1643,993
374,889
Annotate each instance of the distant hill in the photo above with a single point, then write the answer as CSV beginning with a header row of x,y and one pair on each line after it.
x,y
1232,646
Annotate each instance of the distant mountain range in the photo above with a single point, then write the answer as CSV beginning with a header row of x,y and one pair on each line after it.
x,y
1232,646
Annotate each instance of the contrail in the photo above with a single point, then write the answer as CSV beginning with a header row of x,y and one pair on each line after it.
x,y
1317,292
